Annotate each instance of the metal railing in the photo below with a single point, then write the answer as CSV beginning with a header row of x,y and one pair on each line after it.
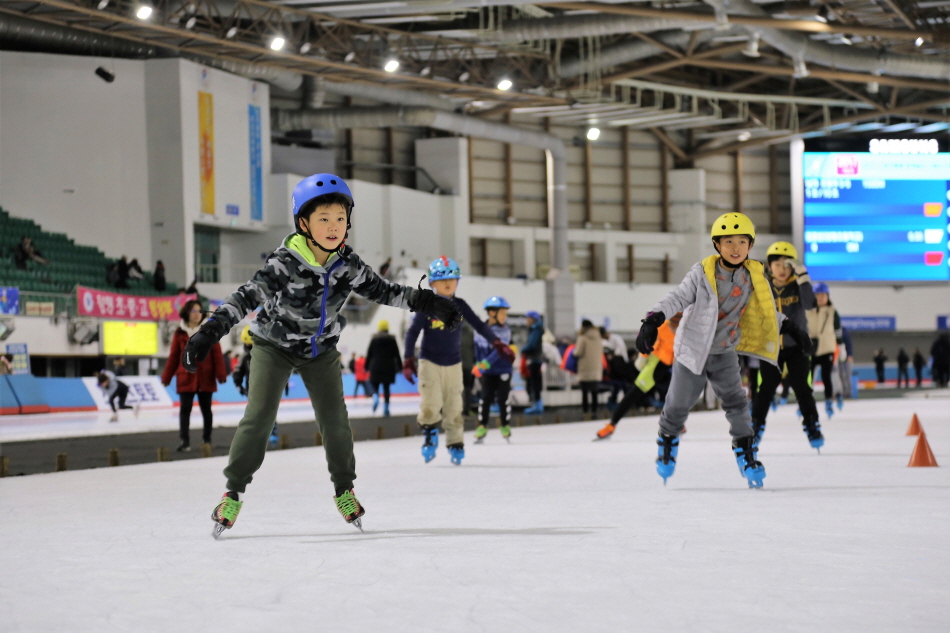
x,y
38,304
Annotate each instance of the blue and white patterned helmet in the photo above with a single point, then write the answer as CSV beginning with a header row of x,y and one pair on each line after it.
x,y
444,268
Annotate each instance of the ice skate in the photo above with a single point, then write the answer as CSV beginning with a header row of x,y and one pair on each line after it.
x,y
349,506
480,434
385,409
535,409
505,432
135,410
184,447
840,400
746,457
431,443
375,401
114,418
774,404
829,408
783,400
273,440
812,429
605,433
456,453
667,448
758,430
226,513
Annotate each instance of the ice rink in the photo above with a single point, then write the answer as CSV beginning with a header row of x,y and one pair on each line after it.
x,y
550,533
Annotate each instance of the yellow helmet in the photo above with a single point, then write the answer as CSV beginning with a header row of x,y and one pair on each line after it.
x,y
732,224
782,249
383,326
246,335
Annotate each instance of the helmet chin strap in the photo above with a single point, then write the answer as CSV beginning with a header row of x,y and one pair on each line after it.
x,y
726,263
338,250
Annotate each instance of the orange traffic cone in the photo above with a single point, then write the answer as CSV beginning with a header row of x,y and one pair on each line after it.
x,y
914,428
922,455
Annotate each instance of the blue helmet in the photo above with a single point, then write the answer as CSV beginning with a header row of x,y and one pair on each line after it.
x,y
444,268
534,315
495,303
316,186
820,286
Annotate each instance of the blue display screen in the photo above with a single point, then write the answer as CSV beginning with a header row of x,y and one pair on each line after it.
x,y
876,217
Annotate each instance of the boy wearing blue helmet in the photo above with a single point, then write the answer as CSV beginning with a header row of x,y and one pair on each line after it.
x,y
440,365
300,291
494,369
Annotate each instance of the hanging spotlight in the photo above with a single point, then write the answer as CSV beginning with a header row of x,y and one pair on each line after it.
x,y
191,22
848,39
745,136
822,15
349,57
102,4
919,42
231,32
593,134
425,72
800,69
873,87
505,84
144,12
752,48
106,75
277,43
305,48
464,77
722,19
391,66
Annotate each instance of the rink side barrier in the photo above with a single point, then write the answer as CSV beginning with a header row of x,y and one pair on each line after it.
x,y
27,392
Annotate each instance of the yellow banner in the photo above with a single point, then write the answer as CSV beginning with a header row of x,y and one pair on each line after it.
x,y
206,150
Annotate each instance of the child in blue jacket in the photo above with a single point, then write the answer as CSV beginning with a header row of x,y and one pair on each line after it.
x,y
494,369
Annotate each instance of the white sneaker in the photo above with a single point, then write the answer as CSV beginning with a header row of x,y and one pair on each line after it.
x,y
114,418
136,408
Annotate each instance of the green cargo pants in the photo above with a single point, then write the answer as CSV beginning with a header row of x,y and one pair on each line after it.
x,y
270,371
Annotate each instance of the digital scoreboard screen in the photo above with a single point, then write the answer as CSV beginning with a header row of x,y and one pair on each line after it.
x,y
876,216
129,338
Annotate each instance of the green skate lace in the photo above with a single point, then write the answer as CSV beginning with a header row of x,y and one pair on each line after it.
x,y
228,510
347,504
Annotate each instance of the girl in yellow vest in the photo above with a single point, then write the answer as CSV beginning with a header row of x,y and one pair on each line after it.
x,y
727,310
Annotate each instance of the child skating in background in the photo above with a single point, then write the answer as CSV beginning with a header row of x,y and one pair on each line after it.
x,y
300,290
793,294
494,369
727,309
824,328
440,365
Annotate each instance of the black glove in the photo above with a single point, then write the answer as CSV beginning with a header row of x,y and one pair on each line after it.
x,y
442,308
649,331
503,350
798,335
199,345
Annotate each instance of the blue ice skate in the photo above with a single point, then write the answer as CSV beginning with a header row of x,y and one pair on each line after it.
x,y
375,401
385,409
758,430
840,400
812,429
456,453
783,400
746,457
829,408
431,434
535,409
774,404
274,439
667,448
493,409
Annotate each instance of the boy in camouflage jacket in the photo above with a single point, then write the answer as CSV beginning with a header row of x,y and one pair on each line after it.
x,y
300,291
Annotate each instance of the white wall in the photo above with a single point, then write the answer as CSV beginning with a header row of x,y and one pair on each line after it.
x,y
72,149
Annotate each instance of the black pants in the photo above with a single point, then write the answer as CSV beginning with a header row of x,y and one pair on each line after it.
x,y
753,383
589,388
634,397
826,361
385,386
121,392
184,415
468,383
902,373
799,371
880,373
495,389
941,374
535,382
919,374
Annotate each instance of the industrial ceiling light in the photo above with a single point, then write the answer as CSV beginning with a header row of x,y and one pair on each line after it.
x,y
191,22
822,15
102,4
800,69
106,75
722,19
744,136
752,48
231,32
305,48
464,77
848,39
144,12
392,65
277,43
593,134
919,42
873,87
425,72
349,57
505,84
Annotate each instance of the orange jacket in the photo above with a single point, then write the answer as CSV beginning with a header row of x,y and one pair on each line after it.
x,y
663,348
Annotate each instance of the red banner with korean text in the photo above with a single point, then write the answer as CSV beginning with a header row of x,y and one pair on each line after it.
x,y
110,305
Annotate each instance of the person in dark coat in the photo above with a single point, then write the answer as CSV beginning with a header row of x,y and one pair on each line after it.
x,y
903,360
940,353
383,361
158,277
919,363
879,359
200,383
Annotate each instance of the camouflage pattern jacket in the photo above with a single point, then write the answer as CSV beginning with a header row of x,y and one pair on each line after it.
x,y
300,300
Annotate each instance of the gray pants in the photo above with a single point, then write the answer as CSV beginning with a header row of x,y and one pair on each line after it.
x,y
722,371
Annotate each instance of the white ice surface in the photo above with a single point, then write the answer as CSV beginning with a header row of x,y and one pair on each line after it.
x,y
551,533
21,428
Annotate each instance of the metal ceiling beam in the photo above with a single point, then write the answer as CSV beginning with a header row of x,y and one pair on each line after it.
x,y
788,25
673,63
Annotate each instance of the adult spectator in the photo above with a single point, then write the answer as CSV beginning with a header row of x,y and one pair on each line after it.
x,y
6,364
383,362
118,366
533,352
879,359
903,360
112,389
615,342
25,252
940,354
919,364
589,352
135,270
188,385
158,277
